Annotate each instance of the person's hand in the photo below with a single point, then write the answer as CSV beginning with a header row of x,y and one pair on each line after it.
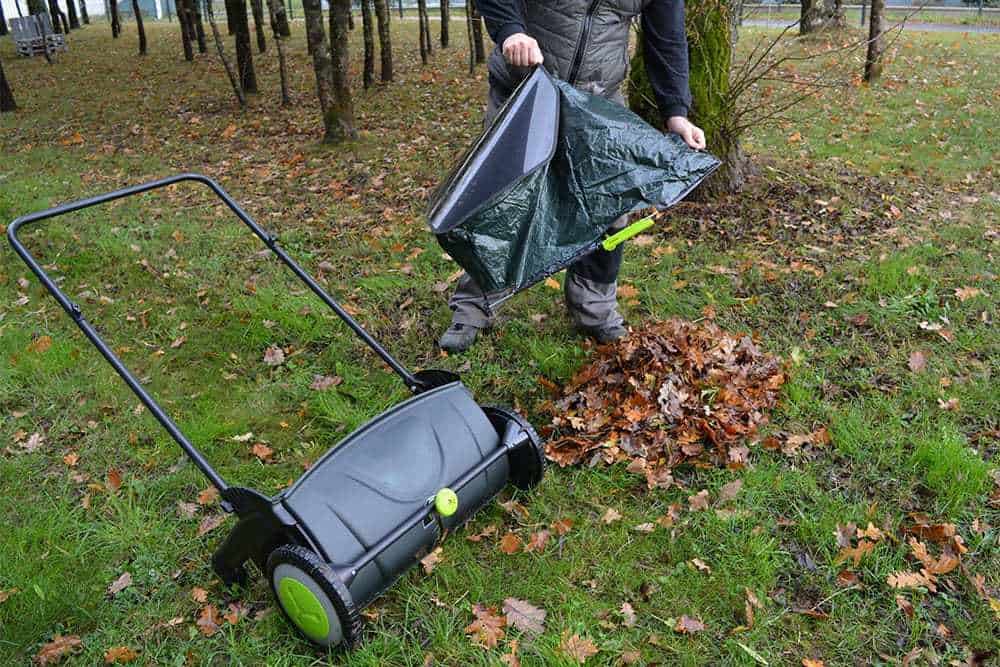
x,y
692,135
521,50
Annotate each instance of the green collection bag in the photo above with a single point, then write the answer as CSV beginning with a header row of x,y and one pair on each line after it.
x,y
540,187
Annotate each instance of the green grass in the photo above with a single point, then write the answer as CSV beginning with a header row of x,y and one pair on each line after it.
x,y
846,291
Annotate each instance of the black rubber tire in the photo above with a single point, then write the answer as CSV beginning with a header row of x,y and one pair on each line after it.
x,y
527,462
333,588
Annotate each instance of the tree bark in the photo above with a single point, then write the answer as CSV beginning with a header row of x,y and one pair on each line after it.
x,y
35,8
186,23
445,20
198,24
276,11
7,102
425,30
319,49
469,32
116,24
240,97
343,105
876,42
711,29
74,20
282,21
244,53
369,39
821,15
83,12
3,22
257,7
138,24
477,33
382,14
400,8
59,23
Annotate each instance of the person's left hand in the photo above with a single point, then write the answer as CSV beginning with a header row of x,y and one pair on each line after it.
x,y
692,135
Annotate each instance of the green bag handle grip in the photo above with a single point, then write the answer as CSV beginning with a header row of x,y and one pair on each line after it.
x,y
620,237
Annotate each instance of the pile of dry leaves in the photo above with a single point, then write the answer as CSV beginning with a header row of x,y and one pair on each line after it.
x,y
671,393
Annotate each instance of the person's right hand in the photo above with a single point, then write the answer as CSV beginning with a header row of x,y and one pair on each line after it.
x,y
521,50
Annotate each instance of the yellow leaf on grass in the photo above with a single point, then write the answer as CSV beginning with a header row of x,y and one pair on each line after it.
x,y
553,283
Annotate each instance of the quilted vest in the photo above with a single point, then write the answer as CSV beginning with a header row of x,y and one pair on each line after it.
x,y
585,42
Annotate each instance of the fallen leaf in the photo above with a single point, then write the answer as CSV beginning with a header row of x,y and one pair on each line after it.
x,y
199,595
610,516
488,531
966,293
562,526
487,628
537,541
524,616
40,344
701,565
120,584
57,649
114,480
904,606
321,382
274,356
208,620
431,560
628,613
687,625
262,452
553,283
5,595
210,523
71,459
730,491
117,655
918,361
922,579
34,442
644,527
578,648
236,611
810,662
246,437
699,501
510,543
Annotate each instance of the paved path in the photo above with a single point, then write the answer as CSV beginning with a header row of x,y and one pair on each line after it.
x,y
928,27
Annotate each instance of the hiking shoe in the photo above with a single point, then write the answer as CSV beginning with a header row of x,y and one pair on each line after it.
x,y
607,333
458,337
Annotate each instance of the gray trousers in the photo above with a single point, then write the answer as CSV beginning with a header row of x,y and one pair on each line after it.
x,y
591,286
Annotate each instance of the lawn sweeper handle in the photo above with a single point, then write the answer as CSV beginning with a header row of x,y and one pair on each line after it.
x,y
415,384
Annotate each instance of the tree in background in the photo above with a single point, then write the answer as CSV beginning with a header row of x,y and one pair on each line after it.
x,y
477,33
3,22
74,20
257,7
382,14
425,30
821,15
369,39
138,24
37,8
276,12
445,19
237,11
83,11
340,10
185,19
711,30
59,22
116,24
240,97
6,96
876,41
338,112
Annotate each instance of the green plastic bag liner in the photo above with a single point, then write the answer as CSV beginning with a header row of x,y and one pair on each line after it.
x,y
539,189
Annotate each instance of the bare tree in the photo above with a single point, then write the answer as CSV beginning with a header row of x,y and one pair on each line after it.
x,y
469,10
197,24
876,41
116,24
138,23
257,7
3,22
477,33
240,97
7,102
276,11
382,14
821,15
74,20
425,30
185,19
369,39
445,19
237,10
340,10
337,109
59,22
83,11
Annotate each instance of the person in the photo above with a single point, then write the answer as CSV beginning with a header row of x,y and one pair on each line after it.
x,y
585,43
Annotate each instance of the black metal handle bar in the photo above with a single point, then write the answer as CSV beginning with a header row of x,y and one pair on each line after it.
x,y
74,312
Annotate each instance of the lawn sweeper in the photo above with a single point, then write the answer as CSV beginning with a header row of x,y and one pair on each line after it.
x,y
370,507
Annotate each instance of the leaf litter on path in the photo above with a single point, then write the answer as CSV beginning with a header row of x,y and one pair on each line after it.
x,y
674,392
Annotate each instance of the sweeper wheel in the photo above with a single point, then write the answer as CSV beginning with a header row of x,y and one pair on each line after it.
x,y
527,462
312,598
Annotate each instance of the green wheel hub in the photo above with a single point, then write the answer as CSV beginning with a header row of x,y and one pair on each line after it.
x,y
304,608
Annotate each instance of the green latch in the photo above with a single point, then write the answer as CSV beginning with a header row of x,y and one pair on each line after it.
x,y
620,237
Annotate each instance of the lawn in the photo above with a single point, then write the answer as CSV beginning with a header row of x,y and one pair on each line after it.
x,y
863,251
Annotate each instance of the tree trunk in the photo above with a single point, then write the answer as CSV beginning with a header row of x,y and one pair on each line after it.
x,y
469,32
279,20
445,20
319,49
6,96
35,8
17,6
477,33
116,24
186,22
276,11
3,22
350,17
74,20
711,29
198,24
83,12
343,105
424,28
59,23
240,97
382,14
821,15
244,53
257,7
876,41
400,8
369,38
138,24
